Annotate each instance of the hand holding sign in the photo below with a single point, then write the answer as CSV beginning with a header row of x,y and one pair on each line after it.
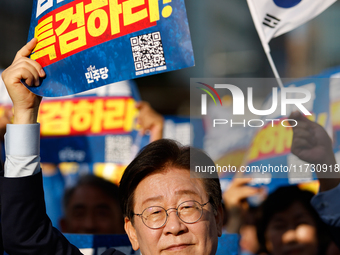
x,y
25,103
83,45
311,143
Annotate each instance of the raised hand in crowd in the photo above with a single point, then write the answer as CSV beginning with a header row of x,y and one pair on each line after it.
x,y
25,103
150,121
312,144
235,202
241,218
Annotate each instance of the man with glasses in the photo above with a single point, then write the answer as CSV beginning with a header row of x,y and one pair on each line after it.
x,y
167,207
167,210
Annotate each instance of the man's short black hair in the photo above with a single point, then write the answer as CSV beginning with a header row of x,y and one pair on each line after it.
x,y
107,187
158,156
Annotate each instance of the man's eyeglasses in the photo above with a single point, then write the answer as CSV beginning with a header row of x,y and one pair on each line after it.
x,y
156,216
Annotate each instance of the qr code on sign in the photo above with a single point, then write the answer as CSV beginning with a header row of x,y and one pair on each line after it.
x,y
147,51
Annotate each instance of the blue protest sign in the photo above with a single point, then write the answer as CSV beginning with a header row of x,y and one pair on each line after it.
x,y
84,44
270,152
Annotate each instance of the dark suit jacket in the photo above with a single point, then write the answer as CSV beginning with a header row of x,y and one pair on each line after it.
x,y
1,174
26,229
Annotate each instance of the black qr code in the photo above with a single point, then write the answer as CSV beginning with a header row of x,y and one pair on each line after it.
x,y
147,51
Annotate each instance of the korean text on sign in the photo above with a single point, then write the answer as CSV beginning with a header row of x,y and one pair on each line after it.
x,y
87,116
94,74
82,24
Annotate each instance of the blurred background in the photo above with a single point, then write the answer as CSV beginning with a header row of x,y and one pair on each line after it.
x,y
225,44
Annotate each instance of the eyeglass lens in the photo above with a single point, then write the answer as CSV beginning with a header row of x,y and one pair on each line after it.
x,y
156,216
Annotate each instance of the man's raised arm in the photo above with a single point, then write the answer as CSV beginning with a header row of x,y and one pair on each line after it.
x,y
26,228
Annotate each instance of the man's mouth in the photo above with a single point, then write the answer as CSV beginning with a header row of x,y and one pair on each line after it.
x,y
177,247
294,251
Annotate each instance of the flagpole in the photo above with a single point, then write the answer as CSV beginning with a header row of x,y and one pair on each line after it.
x,y
264,43
271,62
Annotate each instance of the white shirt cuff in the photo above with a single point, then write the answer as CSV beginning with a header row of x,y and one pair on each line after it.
x,y
22,146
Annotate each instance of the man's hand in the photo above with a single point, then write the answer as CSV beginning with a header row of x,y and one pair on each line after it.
x,y
25,103
237,193
150,120
312,144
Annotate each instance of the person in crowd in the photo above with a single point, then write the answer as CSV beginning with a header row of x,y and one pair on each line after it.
x,y
165,210
241,217
312,144
290,225
92,206
149,122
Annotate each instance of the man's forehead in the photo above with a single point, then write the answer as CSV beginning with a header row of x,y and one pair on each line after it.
x,y
178,193
167,184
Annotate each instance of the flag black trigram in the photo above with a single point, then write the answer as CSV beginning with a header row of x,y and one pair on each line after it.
x,y
270,21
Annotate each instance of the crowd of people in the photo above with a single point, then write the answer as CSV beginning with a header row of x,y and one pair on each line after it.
x,y
162,205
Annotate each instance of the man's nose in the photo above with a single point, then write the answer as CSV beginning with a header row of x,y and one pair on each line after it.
x,y
89,225
289,236
174,225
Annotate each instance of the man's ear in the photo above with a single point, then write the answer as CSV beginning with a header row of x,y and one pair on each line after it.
x,y
131,232
219,220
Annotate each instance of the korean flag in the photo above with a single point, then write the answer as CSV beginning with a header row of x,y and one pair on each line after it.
x,y
276,17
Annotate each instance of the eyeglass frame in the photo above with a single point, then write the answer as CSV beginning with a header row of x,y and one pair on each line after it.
x,y
173,208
